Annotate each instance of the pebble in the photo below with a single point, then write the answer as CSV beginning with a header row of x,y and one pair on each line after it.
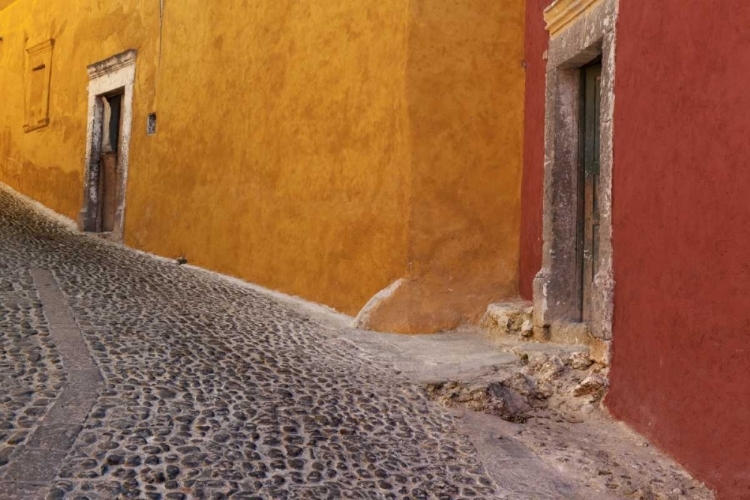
x,y
210,389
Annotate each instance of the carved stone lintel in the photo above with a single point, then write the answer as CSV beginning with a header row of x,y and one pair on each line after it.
x,y
40,48
562,13
112,64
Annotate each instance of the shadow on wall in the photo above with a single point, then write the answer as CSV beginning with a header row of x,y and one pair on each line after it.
x,y
31,181
5,3
34,182
465,87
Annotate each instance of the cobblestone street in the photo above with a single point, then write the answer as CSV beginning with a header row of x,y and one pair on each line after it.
x,y
123,375
206,389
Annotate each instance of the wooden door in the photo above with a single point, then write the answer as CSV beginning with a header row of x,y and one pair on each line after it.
x,y
108,166
589,187
109,175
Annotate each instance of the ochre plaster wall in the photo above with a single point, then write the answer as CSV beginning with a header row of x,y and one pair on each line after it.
x,y
324,149
681,224
281,153
47,164
465,87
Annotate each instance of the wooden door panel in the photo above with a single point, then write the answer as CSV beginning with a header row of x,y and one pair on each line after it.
x,y
108,191
589,174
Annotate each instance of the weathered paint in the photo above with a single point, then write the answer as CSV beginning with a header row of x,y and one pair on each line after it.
x,y
536,42
464,85
325,150
112,74
47,164
281,154
681,359
562,13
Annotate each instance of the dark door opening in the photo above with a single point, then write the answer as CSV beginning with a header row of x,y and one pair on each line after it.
x,y
588,175
109,195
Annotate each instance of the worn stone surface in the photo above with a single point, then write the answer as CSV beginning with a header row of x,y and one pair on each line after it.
x,y
553,439
602,459
31,370
38,460
213,390
551,409
556,290
209,390
462,355
509,318
545,384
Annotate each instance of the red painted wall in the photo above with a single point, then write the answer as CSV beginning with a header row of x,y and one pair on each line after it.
x,y
681,213
533,167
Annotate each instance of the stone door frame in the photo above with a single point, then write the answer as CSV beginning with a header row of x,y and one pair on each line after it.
x,y
112,75
581,31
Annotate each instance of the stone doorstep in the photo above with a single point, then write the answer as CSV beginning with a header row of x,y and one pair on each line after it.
x,y
512,317
513,320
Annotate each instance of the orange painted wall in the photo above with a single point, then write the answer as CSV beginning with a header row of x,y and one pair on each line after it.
x,y
465,88
281,153
323,149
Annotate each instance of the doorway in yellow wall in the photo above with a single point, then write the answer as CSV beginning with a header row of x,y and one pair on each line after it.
x,y
108,142
109,192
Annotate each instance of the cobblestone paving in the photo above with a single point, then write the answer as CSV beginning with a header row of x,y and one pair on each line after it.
x,y
31,372
211,390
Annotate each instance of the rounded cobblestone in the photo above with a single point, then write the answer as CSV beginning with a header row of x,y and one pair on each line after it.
x,y
211,390
31,371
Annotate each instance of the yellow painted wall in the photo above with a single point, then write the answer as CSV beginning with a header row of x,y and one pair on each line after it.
x,y
47,164
281,155
324,149
465,89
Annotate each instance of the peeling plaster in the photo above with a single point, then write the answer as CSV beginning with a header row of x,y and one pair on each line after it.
x,y
363,318
110,75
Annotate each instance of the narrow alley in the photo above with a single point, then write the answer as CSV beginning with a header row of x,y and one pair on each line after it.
x,y
126,376
400,249
207,390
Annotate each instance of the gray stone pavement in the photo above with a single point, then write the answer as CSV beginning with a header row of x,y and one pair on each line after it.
x,y
207,389
127,376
